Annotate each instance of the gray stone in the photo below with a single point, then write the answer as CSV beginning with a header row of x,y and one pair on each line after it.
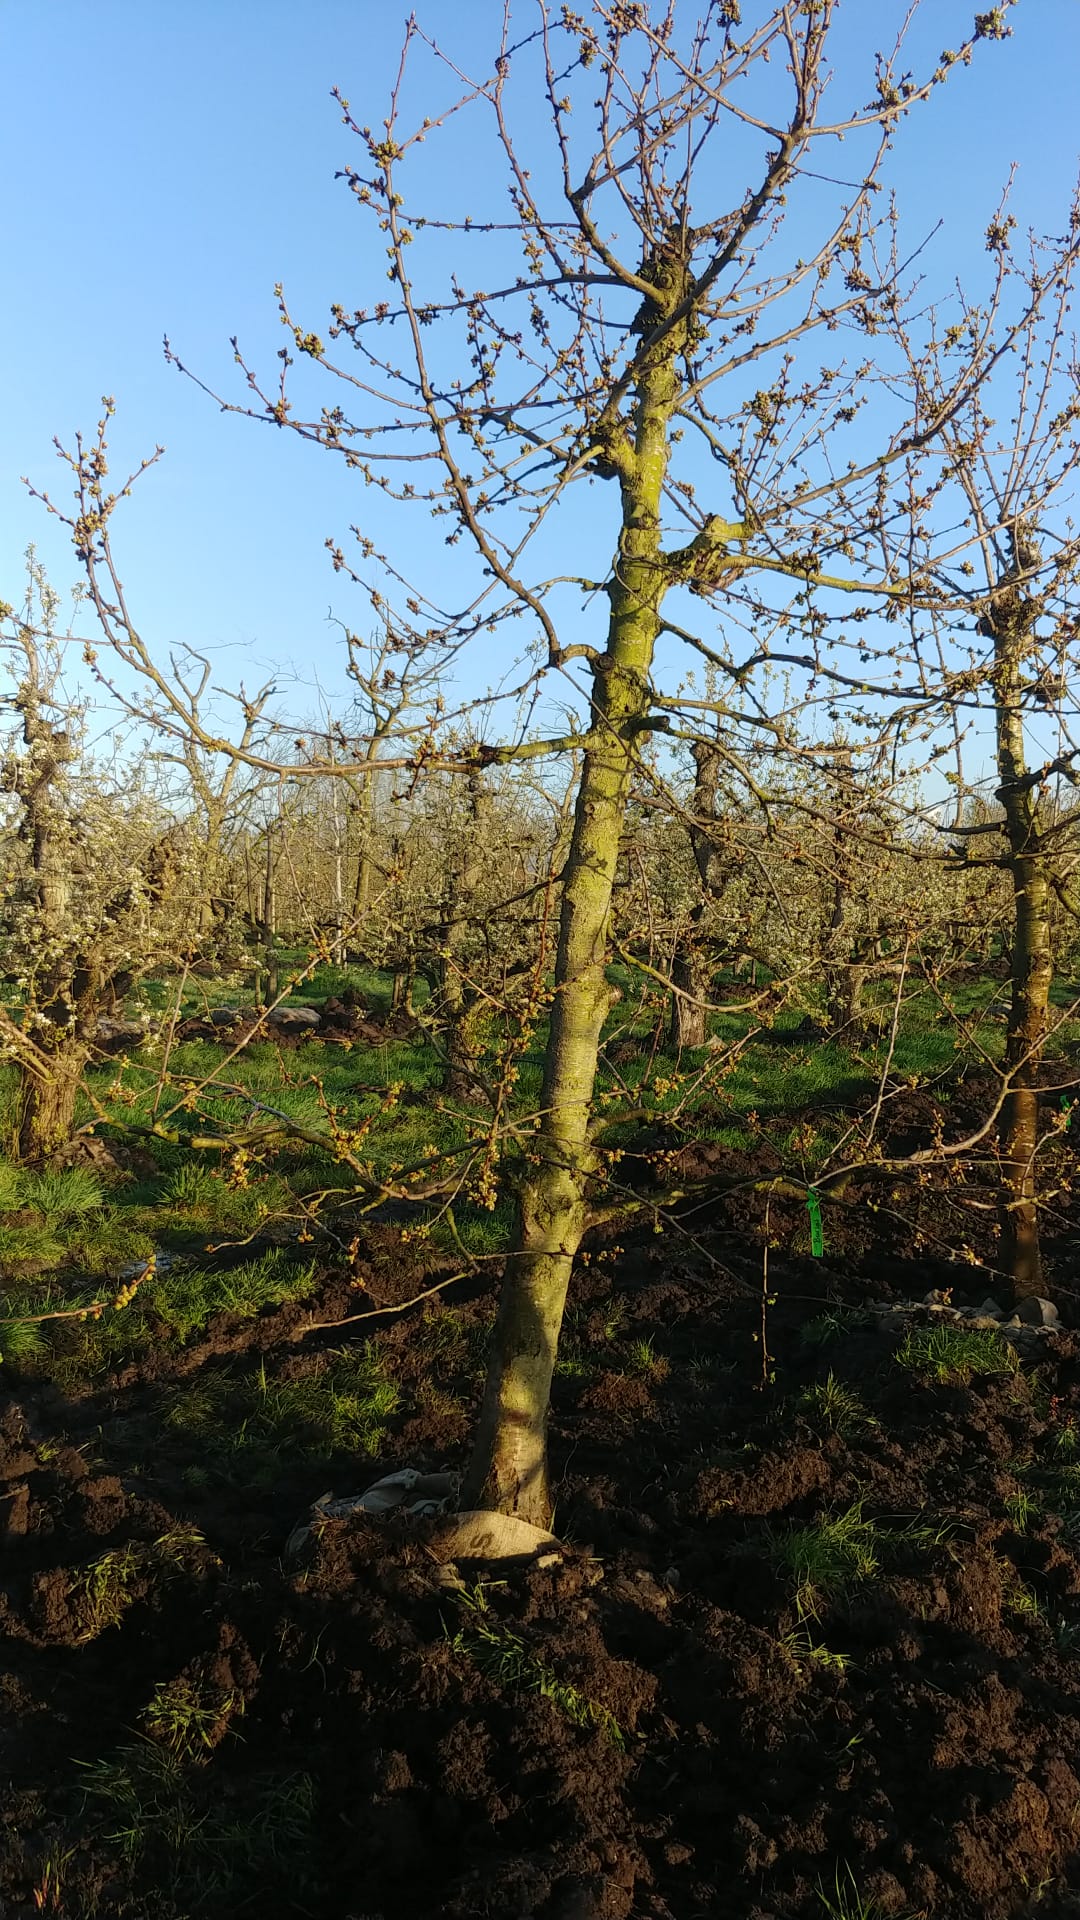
x,y
294,1017
224,1016
1035,1312
121,1035
989,1310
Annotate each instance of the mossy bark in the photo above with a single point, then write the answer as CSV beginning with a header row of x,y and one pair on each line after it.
x,y
690,978
45,1102
509,1469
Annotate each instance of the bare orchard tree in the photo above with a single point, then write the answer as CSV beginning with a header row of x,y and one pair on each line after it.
x,y
630,309
100,880
1012,574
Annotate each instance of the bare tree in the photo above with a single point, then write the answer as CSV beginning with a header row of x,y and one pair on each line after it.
x,y
1009,570
99,888
646,340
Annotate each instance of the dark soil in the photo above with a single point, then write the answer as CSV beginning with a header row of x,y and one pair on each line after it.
x,y
666,1731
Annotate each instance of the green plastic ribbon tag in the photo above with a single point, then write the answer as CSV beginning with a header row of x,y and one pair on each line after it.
x,y
817,1238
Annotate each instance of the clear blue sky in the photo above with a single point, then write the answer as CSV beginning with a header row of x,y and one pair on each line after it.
x,y
165,164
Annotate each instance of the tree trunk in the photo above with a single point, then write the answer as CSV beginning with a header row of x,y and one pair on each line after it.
x,y
45,1103
689,969
688,1018
1011,621
1032,976
844,1007
462,1054
509,1468
459,1007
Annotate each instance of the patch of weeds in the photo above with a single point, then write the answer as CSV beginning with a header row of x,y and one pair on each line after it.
x,y
343,1405
30,1247
185,1300
833,1325
155,1817
48,1891
921,1536
455,1343
105,1589
828,1559
707,1369
836,1407
1057,1490
245,1422
101,1246
954,1354
803,1651
190,1718
145,1794
613,1319
1018,1598
21,1340
265,1839
504,1658
1021,1510
571,1364
63,1196
843,1901
194,1186
643,1359
438,1404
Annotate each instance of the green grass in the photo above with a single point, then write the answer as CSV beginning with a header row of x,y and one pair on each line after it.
x,y
843,1901
954,1354
836,1408
836,1324
184,1300
1021,1509
805,1652
510,1664
86,1228
22,1341
159,1817
105,1589
190,1718
245,1423
827,1560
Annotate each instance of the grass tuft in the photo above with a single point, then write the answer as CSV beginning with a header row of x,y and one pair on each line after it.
x,y
245,1423
828,1559
188,1718
833,1325
843,1901
504,1658
194,1850
836,1407
105,1589
803,1651
954,1354
21,1340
